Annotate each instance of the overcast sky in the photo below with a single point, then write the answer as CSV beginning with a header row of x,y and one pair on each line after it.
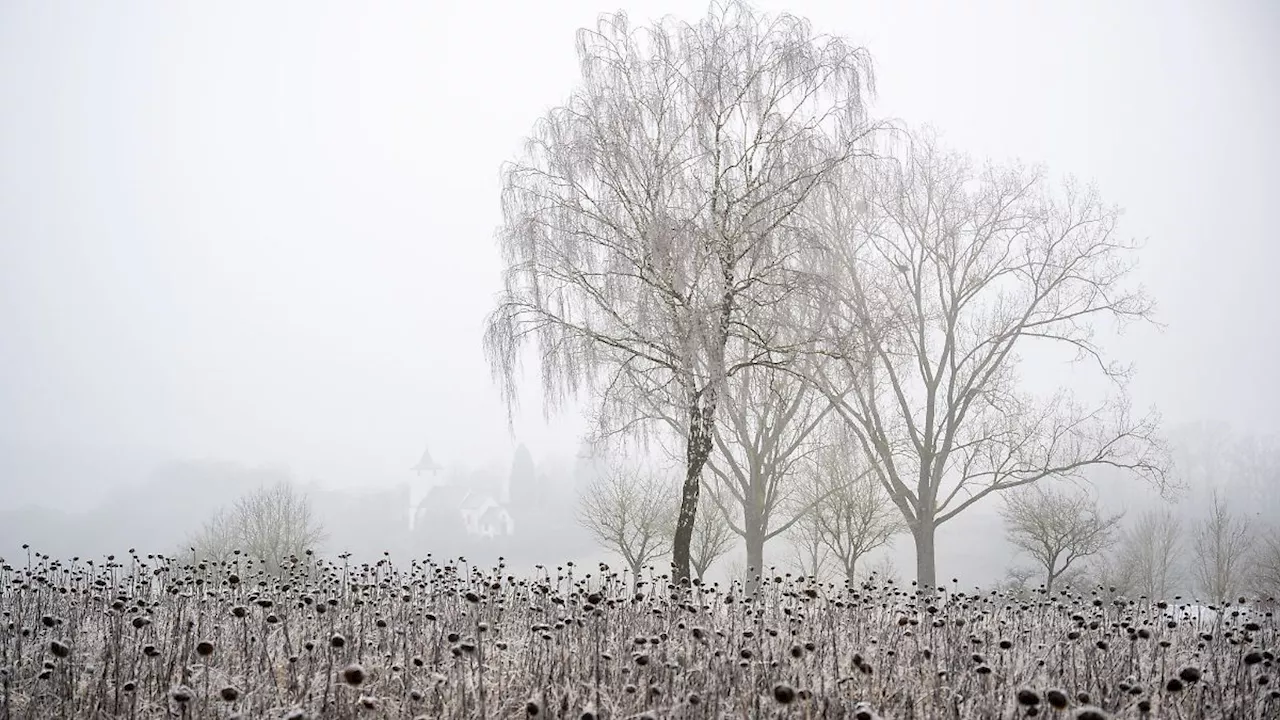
x,y
263,231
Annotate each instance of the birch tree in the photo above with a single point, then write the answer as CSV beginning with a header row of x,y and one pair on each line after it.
x,y
941,275
1057,528
649,228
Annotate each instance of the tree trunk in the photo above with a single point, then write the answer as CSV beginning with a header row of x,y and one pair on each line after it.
x,y
849,576
702,412
926,559
755,552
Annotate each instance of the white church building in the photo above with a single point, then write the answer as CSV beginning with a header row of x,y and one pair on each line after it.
x,y
483,512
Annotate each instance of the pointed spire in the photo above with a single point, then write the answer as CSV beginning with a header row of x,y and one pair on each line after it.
x,y
425,464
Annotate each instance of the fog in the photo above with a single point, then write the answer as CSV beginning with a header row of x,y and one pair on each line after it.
x,y
263,233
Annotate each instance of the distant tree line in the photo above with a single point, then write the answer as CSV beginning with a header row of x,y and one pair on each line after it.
x,y
1220,544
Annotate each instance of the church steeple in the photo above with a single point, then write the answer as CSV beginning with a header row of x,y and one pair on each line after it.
x,y
419,489
425,464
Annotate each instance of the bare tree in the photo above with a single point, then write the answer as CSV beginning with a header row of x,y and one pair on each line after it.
x,y
809,553
1106,571
1080,576
1220,547
1264,569
626,509
276,523
1017,581
270,525
884,569
767,436
1238,472
1057,528
217,540
737,570
649,229
712,536
1148,554
851,512
941,276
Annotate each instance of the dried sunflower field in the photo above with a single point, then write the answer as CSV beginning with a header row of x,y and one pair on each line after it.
x,y
150,637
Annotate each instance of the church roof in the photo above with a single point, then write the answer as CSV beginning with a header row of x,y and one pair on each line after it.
x,y
478,500
445,498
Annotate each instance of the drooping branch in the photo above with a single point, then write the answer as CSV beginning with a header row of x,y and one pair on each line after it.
x,y
652,220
